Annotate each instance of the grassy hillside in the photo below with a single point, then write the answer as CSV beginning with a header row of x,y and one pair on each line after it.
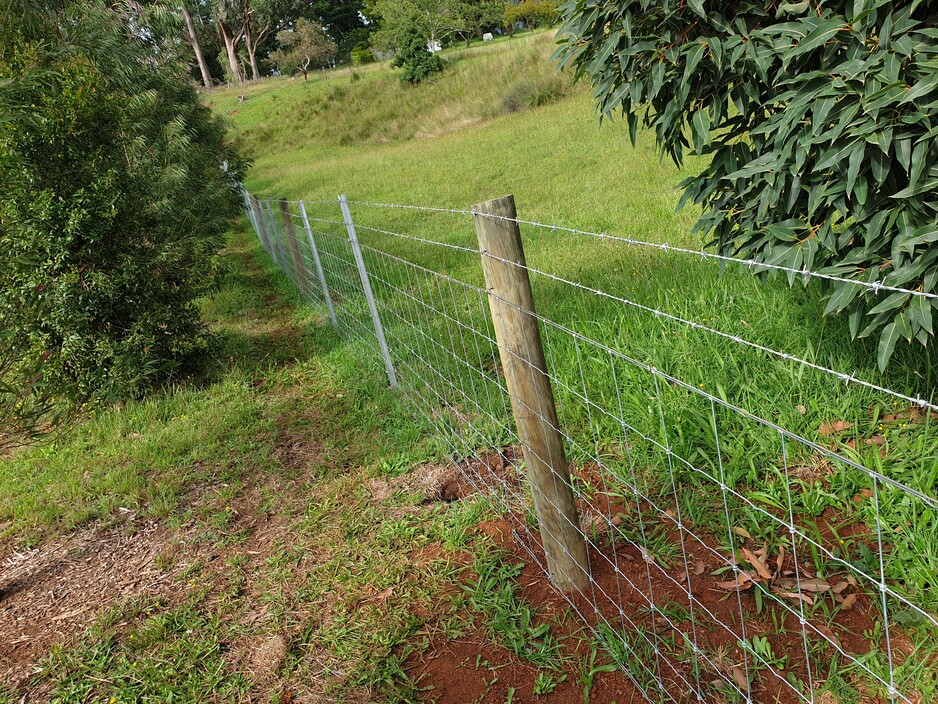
x,y
470,134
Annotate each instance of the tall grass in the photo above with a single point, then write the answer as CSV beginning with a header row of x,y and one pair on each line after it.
x,y
372,106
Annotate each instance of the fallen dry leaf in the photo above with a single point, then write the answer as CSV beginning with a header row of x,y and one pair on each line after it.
x,y
814,585
699,567
794,595
849,601
742,533
756,562
740,678
801,409
837,426
743,581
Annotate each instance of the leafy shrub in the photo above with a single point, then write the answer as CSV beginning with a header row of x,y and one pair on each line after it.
x,y
362,54
415,59
821,121
116,187
534,13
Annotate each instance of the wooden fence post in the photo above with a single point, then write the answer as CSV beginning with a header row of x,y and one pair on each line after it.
x,y
519,346
299,266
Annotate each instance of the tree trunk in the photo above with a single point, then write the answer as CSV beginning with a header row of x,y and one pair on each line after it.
x,y
194,42
231,47
249,45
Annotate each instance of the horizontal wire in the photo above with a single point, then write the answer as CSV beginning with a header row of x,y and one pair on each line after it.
x,y
846,378
422,208
422,240
297,202
875,286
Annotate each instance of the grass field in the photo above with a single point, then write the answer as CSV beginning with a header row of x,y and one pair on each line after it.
x,y
565,168
261,475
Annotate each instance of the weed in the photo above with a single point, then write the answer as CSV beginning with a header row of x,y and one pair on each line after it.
x,y
590,670
509,620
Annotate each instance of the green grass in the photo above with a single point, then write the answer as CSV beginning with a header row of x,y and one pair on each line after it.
x,y
498,120
564,167
211,460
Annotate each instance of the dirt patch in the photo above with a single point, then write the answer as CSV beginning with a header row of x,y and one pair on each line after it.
x,y
52,594
475,670
482,473
55,591
685,576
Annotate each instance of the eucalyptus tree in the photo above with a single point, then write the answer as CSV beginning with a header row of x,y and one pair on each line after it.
x,y
820,121
303,47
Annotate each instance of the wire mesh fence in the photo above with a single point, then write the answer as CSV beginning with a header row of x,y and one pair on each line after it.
x,y
734,549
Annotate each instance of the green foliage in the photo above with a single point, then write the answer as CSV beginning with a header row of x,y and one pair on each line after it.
x,y
434,20
821,120
362,54
476,16
304,47
114,197
415,59
534,13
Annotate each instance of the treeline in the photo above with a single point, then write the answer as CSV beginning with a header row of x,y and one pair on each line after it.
x,y
237,40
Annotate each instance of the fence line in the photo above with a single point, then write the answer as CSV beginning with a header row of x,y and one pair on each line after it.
x,y
755,265
663,474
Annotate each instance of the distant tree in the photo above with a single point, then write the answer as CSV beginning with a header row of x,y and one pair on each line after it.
x,y
193,38
477,16
401,20
228,16
534,13
414,58
304,47
343,22
264,19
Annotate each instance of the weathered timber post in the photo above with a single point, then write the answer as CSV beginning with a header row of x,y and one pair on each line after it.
x,y
519,346
293,244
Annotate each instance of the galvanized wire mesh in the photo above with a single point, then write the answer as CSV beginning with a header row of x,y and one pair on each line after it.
x,y
733,554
